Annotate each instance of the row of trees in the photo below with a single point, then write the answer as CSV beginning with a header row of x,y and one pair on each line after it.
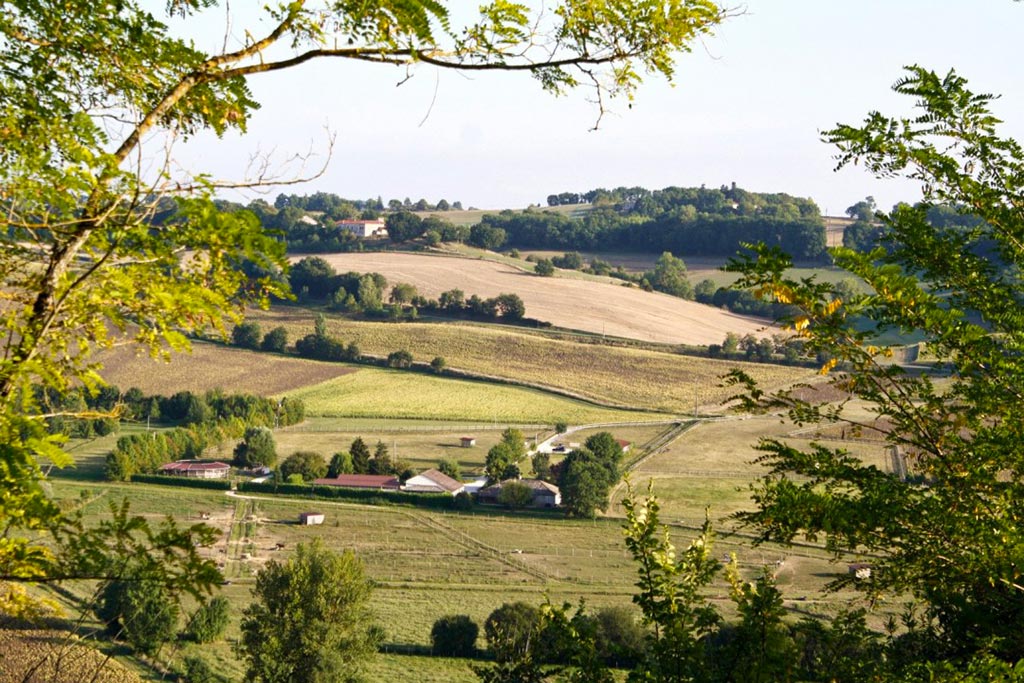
x,y
688,221
210,420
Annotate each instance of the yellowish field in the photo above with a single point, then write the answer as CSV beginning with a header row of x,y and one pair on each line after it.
x,y
600,308
373,392
650,380
213,366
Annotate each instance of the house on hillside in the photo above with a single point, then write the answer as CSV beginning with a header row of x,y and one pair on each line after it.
x,y
364,228
545,495
379,482
433,481
196,470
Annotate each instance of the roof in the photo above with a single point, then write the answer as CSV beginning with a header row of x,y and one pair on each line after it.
x,y
441,479
535,485
194,466
361,481
622,443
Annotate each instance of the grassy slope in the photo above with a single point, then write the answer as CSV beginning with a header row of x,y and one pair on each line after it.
x,y
647,379
373,392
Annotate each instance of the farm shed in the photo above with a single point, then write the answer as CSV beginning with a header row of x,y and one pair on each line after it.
x,y
382,482
545,495
311,518
196,469
467,441
624,445
433,481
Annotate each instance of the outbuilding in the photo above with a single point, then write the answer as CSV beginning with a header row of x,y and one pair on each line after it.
x,y
467,441
311,518
196,469
433,481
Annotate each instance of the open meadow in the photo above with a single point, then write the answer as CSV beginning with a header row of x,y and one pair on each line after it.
x,y
600,308
381,393
618,376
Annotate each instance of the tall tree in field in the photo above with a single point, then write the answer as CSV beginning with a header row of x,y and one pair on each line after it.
x,y
104,240
948,525
310,621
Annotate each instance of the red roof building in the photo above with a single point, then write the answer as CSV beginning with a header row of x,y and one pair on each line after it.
x,y
384,482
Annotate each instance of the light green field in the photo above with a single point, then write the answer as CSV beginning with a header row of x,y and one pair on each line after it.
x,y
373,392
636,377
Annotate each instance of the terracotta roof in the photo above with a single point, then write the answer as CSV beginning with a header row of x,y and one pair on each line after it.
x,y
194,466
361,481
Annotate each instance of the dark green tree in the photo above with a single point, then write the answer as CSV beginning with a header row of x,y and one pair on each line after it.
x,y
512,630
139,611
454,636
276,340
360,453
256,449
209,622
669,276
341,463
310,620
309,465
246,335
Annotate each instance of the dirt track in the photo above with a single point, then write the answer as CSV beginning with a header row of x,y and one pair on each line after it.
x,y
572,303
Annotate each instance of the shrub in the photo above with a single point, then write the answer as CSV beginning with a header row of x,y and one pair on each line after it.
x,y
210,621
309,465
454,636
246,335
509,630
276,340
399,359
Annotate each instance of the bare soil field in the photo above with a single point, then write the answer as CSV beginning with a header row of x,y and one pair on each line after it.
x,y
212,366
581,305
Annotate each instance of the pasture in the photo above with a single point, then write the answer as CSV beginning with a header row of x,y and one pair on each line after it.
x,y
596,307
635,377
375,392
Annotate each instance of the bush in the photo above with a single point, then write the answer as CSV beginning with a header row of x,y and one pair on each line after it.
x,y
246,335
187,482
210,621
140,612
399,359
309,465
454,636
276,340
509,630
256,448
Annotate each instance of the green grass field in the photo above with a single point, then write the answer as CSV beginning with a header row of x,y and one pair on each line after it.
x,y
373,392
637,377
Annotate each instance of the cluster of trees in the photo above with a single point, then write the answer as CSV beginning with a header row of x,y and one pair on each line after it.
x,y
688,221
142,613
588,474
404,226
209,420
359,460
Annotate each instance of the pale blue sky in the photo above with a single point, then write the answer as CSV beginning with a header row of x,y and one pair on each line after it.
x,y
747,106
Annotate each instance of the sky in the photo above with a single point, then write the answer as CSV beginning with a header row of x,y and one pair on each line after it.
x,y
747,106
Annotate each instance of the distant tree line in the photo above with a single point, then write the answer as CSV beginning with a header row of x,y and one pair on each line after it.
x,y
686,221
203,421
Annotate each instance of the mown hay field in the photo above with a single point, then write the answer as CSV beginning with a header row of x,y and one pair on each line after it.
x,y
214,366
374,392
52,656
600,308
651,380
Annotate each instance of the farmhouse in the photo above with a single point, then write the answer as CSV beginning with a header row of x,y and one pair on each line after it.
x,y
364,228
545,495
196,469
311,518
382,482
433,481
